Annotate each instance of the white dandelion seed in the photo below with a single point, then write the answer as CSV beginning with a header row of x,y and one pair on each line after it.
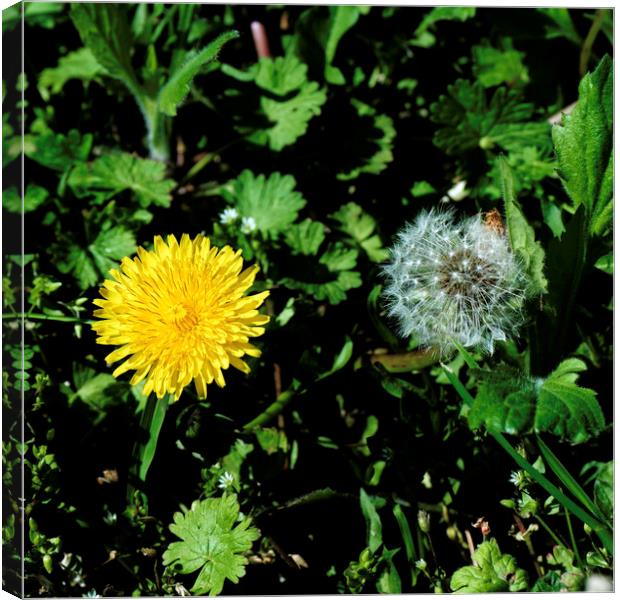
x,y
470,287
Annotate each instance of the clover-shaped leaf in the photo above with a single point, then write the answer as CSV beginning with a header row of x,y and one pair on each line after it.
x,y
211,542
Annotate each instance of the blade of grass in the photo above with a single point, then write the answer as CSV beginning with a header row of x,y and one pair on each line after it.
x,y
568,480
405,532
152,421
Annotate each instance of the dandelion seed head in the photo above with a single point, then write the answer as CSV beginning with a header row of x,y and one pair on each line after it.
x,y
178,314
469,286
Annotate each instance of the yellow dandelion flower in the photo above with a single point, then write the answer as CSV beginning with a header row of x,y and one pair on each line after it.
x,y
179,314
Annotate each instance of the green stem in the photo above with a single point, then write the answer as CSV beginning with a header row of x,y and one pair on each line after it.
x,y
42,317
273,410
157,126
550,531
573,541
586,49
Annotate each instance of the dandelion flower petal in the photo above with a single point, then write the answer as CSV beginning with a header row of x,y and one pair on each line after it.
x,y
178,314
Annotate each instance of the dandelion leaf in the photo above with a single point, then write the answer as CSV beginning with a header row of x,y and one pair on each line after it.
x,y
116,172
493,572
212,541
174,91
271,201
584,146
360,226
521,233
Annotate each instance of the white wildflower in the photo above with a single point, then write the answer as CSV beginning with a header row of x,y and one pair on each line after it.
x,y
248,225
226,480
228,216
454,280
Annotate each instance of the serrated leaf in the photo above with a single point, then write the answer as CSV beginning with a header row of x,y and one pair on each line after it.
x,y
584,145
521,233
34,197
510,403
117,172
272,202
281,75
290,117
493,572
174,91
58,151
88,266
305,237
331,278
80,64
211,542
382,144
104,29
110,246
360,226
470,120
493,66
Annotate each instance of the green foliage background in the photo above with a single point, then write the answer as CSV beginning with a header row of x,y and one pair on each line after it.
x,y
349,460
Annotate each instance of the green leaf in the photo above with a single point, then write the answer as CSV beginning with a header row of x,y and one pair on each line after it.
x,y
116,172
305,237
80,64
272,202
92,388
281,75
521,233
424,38
111,246
360,226
469,120
58,151
211,542
374,531
510,403
104,29
584,145
88,266
604,490
42,286
318,33
331,278
290,117
494,66
174,91
493,572
560,24
382,143
35,196
606,263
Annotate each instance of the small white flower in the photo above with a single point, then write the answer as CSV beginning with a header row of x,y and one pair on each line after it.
x,y
421,564
248,225
228,216
469,286
226,480
516,478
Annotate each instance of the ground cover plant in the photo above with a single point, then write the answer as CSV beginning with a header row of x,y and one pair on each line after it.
x,y
313,299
